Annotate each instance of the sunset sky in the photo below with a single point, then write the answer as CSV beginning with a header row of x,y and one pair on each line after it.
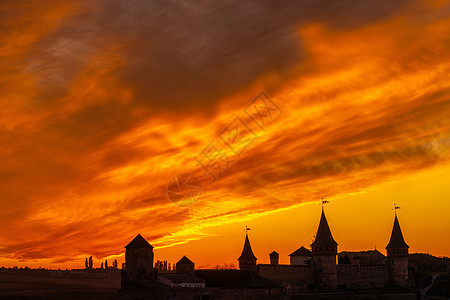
x,y
104,102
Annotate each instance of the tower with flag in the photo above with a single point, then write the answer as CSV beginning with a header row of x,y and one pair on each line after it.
x,y
397,254
319,269
247,260
324,251
309,270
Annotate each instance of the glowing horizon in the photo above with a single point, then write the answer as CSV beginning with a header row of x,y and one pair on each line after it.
x,y
103,104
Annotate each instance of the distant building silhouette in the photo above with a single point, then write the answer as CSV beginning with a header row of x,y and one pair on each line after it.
x,y
309,270
247,260
397,254
324,251
140,281
274,258
317,269
139,259
301,256
185,265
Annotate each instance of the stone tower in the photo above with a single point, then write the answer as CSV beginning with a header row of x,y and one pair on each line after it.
x,y
274,258
397,254
324,251
247,260
185,265
139,258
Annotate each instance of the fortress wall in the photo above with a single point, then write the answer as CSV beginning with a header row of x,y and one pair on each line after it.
x,y
354,276
352,296
250,294
294,277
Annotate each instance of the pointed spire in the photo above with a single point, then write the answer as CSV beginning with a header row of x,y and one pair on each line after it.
x,y
324,236
396,240
247,253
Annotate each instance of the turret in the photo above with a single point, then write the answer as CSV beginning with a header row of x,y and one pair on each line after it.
x,y
397,254
247,260
139,258
274,258
185,265
324,251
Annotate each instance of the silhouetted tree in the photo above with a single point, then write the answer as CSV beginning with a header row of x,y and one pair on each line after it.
x,y
86,263
101,267
162,265
115,264
106,264
91,264
225,266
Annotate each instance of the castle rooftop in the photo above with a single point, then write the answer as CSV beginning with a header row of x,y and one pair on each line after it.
x,y
138,242
396,240
302,251
324,236
247,252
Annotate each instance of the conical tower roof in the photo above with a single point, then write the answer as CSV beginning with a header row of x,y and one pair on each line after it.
x,y
396,240
247,253
139,242
324,236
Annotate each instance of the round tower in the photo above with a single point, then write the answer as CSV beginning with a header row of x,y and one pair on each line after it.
x,y
247,260
324,251
397,254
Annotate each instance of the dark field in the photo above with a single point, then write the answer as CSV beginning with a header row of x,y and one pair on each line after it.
x,y
45,284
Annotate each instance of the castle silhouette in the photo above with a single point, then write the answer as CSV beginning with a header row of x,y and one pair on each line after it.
x,y
309,270
318,268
